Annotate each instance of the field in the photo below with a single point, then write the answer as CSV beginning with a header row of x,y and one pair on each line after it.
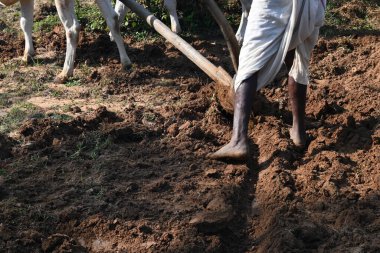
x,y
115,161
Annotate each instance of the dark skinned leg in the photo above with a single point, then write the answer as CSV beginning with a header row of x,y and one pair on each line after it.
x,y
297,98
238,147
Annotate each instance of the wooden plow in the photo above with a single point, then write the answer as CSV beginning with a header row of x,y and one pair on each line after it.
x,y
223,80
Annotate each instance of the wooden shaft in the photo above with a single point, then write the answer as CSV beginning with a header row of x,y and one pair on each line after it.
x,y
228,32
218,74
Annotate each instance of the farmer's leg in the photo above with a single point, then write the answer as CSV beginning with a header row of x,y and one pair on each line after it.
x,y
297,98
238,147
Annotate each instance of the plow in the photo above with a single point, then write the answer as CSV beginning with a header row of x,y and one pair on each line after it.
x,y
222,79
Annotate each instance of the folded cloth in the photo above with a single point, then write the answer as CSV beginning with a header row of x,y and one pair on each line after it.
x,y
275,27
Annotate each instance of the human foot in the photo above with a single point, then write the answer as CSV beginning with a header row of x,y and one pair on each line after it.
x,y
235,151
298,137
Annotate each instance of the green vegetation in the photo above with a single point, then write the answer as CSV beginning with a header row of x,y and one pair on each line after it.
x,y
91,145
47,24
193,17
56,93
60,117
344,17
2,172
150,117
90,17
143,35
4,100
73,82
17,114
6,68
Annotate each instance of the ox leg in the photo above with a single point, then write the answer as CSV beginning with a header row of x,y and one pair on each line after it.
x,y
297,98
246,7
121,10
66,13
113,23
26,23
171,6
238,147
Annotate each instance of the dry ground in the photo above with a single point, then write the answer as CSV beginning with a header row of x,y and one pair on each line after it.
x,y
115,161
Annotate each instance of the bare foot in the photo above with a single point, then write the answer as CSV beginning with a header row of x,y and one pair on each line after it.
x,y
235,151
298,137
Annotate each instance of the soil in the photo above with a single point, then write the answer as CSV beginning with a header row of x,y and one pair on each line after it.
x,y
136,178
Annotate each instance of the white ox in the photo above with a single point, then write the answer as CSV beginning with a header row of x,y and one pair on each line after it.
x,y
171,6
71,24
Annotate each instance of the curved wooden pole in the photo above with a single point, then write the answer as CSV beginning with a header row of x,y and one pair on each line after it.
x,y
218,74
228,32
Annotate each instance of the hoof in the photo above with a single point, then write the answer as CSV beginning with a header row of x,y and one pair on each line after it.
x,y
60,79
177,30
27,59
126,66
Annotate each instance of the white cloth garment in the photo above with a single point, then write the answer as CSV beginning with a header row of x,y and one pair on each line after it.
x,y
274,28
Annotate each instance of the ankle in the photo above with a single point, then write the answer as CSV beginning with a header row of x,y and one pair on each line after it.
x,y
239,140
298,127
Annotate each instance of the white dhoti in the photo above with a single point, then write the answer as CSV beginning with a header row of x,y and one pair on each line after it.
x,y
274,28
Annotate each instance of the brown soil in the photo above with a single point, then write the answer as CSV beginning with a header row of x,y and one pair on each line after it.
x,y
137,180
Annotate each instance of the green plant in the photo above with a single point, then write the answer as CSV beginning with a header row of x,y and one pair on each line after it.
x,y
56,93
90,16
37,86
140,36
47,24
60,117
73,82
4,100
2,172
16,116
341,18
91,145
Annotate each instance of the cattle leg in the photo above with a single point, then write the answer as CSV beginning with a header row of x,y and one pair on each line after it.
x,y
26,23
113,23
121,10
238,147
246,7
171,6
297,98
66,13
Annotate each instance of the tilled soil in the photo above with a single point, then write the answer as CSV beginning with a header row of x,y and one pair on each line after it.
x,y
138,180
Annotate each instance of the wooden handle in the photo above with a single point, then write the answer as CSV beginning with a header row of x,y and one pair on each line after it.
x,y
218,74
228,32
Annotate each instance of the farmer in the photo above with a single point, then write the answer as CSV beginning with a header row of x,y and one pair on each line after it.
x,y
278,31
